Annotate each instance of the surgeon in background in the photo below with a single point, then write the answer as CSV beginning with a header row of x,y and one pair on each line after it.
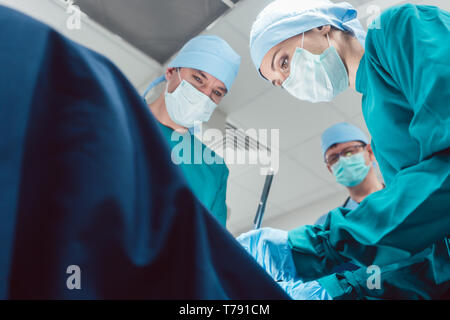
x,y
347,153
196,81
349,157
317,49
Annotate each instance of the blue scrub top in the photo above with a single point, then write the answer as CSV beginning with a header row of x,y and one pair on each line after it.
x,y
208,181
86,179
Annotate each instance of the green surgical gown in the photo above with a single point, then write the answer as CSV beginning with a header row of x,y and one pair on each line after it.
x,y
204,170
404,77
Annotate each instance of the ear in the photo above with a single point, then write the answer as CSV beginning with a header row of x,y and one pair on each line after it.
x,y
324,30
329,169
370,151
170,73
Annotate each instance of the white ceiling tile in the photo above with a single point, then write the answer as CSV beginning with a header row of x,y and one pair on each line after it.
x,y
245,13
360,123
272,210
237,169
297,120
246,222
309,155
349,103
314,196
241,202
290,181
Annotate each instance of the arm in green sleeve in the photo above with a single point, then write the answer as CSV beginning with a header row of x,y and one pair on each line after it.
x,y
388,226
411,213
425,276
219,207
412,46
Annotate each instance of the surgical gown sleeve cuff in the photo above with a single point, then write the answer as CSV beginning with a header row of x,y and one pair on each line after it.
x,y
312,253
337,287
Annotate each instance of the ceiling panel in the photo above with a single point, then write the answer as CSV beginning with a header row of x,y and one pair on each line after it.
x,y
158,28
243,204
309,155
359,121
348,103
291,181
245,14
314,195
297,120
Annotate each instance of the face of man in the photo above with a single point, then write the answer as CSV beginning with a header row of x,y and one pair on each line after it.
x,y
348,149
202,81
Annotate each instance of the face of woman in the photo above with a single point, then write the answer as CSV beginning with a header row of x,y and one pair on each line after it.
x,y
275,66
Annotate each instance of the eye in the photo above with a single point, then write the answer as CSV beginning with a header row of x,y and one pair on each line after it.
x,y
284,63
198,79
218,93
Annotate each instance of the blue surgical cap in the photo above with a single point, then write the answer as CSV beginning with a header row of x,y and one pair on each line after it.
x,y
340,133
207,53
283,19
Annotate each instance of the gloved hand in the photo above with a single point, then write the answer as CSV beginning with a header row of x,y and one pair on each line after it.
x,y
271,250
299,290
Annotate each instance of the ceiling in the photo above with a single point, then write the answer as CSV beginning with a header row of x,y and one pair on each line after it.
x,y
302,189
158,28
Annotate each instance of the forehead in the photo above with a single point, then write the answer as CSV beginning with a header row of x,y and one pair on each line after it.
x,y
341,146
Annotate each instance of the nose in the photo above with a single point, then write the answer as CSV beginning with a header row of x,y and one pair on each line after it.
x,y
281,77
278,83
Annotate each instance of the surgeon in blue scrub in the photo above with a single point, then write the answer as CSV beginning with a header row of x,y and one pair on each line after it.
x,y
317,49
196,81
349,157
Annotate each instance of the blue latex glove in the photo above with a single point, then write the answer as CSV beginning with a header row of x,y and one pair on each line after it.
x,y
299,290
271,250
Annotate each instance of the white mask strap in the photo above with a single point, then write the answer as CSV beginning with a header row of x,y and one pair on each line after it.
x,y
329,44
303,39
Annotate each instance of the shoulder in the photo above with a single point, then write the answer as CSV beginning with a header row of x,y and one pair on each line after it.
x,y
218,163
397,18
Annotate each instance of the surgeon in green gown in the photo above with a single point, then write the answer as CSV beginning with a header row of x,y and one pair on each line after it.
x,y
197,79
317,49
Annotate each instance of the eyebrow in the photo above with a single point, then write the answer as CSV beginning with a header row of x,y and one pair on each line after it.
x,y
224,90
273,63
202,74
273,59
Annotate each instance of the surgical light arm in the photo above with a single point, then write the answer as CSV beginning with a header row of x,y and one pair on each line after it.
x,y
262,204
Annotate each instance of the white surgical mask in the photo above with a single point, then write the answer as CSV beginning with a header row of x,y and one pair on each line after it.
x,y
187,105
316,78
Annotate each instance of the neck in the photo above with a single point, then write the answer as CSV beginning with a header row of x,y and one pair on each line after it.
x,y
369,185
351,53
159,110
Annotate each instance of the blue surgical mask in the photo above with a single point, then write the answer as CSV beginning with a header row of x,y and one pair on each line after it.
x,y
351,171
187,105
316,78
